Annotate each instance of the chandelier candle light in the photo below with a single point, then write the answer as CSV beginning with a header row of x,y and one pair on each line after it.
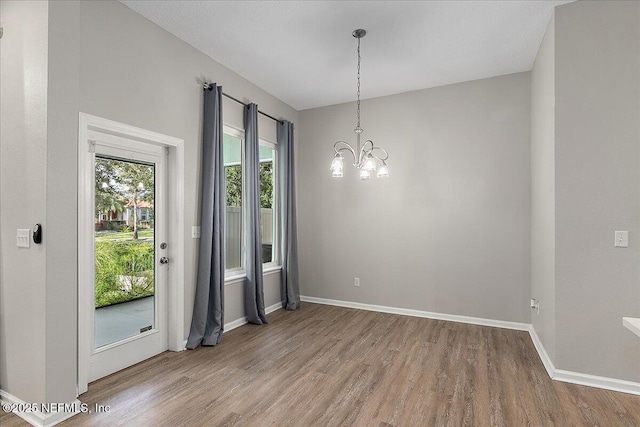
x,y
364,155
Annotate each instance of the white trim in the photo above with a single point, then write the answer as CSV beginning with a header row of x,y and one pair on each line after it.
x,y
597,381
632,323
274,307
229,326
241,277
176,150
237,133
243,320
86,151
176,166
544,356
232,131
239,322
271,270
235,278
102,124
275,207
579,378
419,313
39,418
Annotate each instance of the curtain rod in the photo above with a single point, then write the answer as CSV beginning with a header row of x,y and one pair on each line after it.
x,y
207,86
259,112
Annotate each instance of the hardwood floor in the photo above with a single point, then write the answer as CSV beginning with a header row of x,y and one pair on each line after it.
x,y
332,366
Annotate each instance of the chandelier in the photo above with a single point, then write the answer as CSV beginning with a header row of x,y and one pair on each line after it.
x,y
366,157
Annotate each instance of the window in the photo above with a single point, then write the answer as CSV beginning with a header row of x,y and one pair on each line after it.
x,y
233,155
233,158
268,211
144,214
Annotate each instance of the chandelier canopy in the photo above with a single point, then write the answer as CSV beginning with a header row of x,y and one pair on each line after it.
x,y
366,157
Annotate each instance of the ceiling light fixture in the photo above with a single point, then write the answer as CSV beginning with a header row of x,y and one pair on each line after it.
x,y
364,155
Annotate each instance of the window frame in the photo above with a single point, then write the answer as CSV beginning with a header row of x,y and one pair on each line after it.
x,y
275,263
235,273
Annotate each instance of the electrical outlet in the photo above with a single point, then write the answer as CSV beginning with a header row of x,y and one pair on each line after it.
x,y
535,305
356,281
195,231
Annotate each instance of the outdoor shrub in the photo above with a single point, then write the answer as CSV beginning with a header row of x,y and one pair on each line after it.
x,y
124,271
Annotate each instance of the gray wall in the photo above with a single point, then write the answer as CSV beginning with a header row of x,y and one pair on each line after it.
x,y
106,60
449,230
61,210
23,172
134,72
597,186
543,191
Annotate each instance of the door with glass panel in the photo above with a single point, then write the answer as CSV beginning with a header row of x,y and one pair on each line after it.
x,y
129,316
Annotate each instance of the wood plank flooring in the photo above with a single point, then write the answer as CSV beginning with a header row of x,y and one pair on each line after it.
x,y
332,366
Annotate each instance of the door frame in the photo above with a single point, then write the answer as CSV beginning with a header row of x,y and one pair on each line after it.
x,y
175,204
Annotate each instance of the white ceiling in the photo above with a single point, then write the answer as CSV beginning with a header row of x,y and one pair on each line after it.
x,y
302,52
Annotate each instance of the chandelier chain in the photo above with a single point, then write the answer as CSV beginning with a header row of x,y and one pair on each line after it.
x,y
358,108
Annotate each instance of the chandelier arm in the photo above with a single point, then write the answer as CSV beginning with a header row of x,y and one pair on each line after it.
x,y
346,147
382,159
367,150
364,150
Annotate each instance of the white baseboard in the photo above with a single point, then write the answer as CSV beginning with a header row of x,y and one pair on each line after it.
x,y
37,417
555,374
419,313
579,378
544,356
241,321
597,381
235,324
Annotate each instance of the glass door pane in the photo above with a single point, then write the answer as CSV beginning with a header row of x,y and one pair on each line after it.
x,y
124,249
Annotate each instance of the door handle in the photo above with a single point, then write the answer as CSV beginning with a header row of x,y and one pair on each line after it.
x,y
164,260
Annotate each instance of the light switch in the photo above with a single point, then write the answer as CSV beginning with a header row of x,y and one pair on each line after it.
x,y
622,239
195,231
23,237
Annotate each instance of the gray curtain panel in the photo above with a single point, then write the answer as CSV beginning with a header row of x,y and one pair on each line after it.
x,y
289,254
207,323
253,288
